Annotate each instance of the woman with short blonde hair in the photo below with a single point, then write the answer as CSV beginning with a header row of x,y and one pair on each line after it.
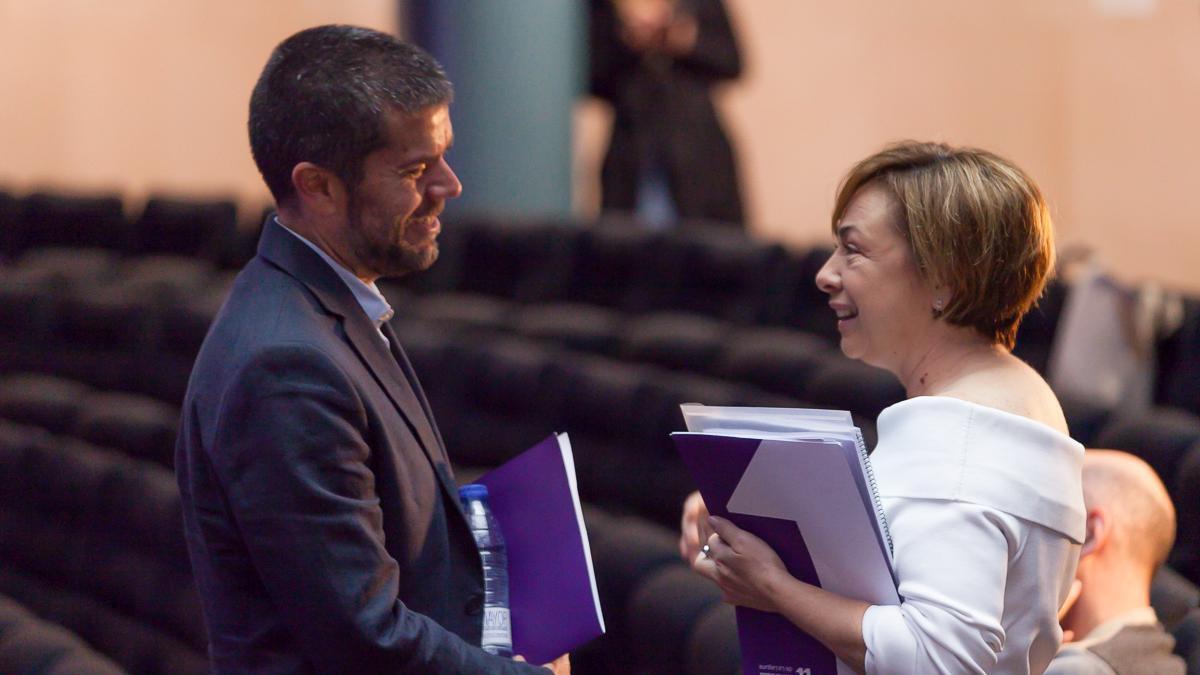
x,y
940,252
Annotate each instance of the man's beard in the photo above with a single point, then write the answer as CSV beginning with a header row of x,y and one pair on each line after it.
x,y
382,248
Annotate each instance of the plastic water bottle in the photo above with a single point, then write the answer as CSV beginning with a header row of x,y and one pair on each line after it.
x,y
497,629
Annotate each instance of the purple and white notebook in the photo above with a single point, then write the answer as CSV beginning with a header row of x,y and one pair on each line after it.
x,y
799,479
552,594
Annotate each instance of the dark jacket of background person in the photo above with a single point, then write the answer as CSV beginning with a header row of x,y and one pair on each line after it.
x,y
663,112
321,515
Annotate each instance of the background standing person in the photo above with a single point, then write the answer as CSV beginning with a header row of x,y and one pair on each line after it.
x,y
940,252
1130,531
322,518
655,62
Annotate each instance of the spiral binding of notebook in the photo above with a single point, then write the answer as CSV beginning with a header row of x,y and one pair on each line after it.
x,y
869,474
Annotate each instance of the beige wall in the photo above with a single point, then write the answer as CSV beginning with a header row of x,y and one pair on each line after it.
x,y
1100,105
144,95
1102,108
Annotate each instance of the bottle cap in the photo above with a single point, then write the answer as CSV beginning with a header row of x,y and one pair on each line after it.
x,y
473,491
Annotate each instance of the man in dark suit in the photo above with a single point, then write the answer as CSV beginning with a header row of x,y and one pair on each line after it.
x,y
321,515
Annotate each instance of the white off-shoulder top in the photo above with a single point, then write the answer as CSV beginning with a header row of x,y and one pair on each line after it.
x,y
986,514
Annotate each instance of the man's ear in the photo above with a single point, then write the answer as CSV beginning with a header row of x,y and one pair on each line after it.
x,y
318,190
1099,530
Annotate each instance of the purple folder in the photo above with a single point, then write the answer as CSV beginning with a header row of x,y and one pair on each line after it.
x,y
744,479
552,586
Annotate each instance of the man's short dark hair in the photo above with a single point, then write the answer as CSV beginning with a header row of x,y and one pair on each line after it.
x,y
322,96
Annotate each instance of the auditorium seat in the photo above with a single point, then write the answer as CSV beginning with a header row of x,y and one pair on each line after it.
x,y
15,442
1085,418
185,323
1187,641
73,221
1035,336
509,403
64,267
656,481
242,245
1179,362
611,267
94,542
437,358
1161,436
35,286
779,360
137,425
717,271
184,227
1172,595
167,278
425,344
49,402
10,218
845,384
134,646
665,392
712,647
399,296
675,340
625,551
574,325
663,613
601,411
796,301
524,261
464,311
31,645
1186,494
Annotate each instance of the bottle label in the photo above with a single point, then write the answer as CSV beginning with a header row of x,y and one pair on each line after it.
x,y
496,628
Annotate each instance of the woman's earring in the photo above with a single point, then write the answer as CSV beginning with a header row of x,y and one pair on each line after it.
x,y
938,305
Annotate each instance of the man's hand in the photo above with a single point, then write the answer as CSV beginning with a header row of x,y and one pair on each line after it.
x,y
693,528
559,666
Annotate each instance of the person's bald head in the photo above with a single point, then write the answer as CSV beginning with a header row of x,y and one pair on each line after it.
x,y
1140,513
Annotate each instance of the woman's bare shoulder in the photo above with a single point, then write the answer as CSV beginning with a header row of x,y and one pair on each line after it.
x,y
1012,386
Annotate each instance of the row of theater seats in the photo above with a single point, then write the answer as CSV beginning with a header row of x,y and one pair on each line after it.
x,y
31,645
520,330
571,282
93,542
134,324
93,545
580,286
206,229
494,395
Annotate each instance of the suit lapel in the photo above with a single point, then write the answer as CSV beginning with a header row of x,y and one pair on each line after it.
x,y
283,249
410,376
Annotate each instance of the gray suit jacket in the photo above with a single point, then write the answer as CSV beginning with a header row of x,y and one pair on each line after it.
x,y
321,514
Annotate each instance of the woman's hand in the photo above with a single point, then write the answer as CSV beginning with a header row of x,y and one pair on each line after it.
x,y
747,570
693,528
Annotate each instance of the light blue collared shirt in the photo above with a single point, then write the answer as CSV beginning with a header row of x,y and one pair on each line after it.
x,y
373,304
